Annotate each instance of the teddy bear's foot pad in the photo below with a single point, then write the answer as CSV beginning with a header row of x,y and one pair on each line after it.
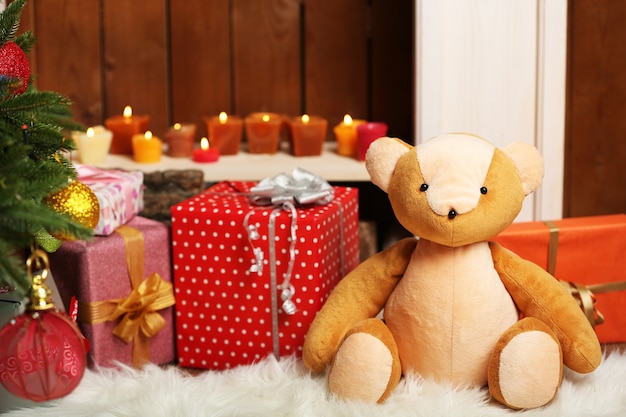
x,y
366,366
528,369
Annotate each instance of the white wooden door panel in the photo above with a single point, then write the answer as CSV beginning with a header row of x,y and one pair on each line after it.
x,y
496,68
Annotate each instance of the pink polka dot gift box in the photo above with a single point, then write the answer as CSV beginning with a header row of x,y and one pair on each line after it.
x,y
123,285
250,273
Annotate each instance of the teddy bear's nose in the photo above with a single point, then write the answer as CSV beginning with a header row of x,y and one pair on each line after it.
x,y
452,214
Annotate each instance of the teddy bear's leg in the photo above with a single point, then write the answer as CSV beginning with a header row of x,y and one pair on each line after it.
x,y
367,365
526,367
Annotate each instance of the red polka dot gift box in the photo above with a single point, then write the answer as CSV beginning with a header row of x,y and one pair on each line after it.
x,y
250,273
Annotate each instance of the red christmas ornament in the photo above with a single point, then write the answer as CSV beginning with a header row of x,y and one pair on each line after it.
x,y
14,64
42,357
43,354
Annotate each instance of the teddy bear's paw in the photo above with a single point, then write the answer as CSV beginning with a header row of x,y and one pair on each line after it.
x,y
366,366
526,367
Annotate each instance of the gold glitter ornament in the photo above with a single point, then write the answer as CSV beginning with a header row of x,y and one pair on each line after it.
x,y
79,202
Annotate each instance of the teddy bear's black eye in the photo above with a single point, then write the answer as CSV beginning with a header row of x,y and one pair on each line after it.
x,y
423,187
483,190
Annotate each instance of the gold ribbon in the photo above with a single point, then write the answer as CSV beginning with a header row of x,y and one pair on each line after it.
x,y
137,315
553,246
584,294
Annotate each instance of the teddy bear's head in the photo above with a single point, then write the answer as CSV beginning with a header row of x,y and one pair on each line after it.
x,y
455,189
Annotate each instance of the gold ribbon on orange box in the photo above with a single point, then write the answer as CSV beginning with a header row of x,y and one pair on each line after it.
x,y
584,294
137,314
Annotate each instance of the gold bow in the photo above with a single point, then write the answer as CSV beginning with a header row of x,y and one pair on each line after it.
x,y
584,294
137,315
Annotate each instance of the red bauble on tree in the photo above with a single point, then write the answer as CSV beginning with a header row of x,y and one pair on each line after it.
x,y
14,64
43,354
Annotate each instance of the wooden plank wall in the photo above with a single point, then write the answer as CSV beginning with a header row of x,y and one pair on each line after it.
x,y
182,60
595,147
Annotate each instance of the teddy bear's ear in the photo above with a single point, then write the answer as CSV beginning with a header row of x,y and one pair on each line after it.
x,y
381,158
529,164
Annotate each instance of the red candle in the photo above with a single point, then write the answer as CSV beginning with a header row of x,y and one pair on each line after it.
x,y
124,127
204,154
368,133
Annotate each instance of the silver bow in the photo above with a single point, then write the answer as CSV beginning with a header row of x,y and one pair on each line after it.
x,y
301,188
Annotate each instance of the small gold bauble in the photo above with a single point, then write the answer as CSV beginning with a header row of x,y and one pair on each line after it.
x,y
79,202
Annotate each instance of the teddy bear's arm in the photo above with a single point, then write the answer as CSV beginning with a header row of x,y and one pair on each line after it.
x,y
538,294
361,294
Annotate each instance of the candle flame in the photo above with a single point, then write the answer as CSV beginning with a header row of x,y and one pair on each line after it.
x,y
266,118
128,111
90,132
177,126
305,118
223,117
204,144
347,119
148,134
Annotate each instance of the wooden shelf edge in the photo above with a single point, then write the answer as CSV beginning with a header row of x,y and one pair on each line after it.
x,y
253,167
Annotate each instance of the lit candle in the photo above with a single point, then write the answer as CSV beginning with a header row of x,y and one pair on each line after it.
x,y
225,132
308,134
124,127
180,139
346,135
93,146
205,154
147,148
263,132
368,133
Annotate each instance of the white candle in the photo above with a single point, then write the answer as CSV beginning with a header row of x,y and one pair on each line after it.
x,y
93,145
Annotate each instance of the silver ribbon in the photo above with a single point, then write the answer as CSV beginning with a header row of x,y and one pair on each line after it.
x,y
299,188
283,192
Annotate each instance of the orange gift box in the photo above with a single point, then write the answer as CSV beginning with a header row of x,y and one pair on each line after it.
x,y
585,251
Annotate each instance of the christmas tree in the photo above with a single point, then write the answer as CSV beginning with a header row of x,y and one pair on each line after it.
x,y
40,201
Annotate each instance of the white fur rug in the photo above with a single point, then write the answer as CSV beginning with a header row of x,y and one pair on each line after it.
x,y
285,388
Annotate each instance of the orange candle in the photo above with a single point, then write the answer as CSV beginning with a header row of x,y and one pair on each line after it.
x,y
346,135
147,149
308,134
123,128
263,132
180,139
225,133
205,154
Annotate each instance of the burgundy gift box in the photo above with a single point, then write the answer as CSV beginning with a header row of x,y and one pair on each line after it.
x,y
227,314
97,274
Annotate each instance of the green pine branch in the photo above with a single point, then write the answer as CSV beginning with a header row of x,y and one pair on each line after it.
x,y
10,20
34,135
26,41
12,268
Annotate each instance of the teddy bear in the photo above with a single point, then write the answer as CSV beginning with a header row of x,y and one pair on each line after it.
x,y
456,307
